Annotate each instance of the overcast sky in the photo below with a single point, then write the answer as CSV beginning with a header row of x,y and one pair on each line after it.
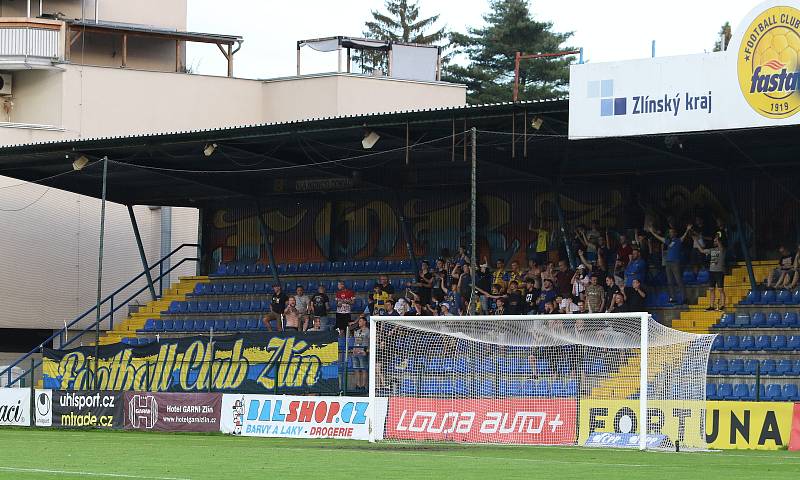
x,y
608,30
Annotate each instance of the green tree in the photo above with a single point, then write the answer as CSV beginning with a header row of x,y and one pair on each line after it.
x,y
724,33
400,23
510,28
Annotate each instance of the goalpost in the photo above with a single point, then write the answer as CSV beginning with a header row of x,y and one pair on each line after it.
x,y
617,380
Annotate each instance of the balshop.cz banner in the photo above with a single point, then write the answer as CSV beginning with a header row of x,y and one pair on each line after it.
x,y
15,407
296,417
78,409
528,421
173,412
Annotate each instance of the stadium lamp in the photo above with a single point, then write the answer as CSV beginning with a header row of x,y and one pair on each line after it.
x,y
370,139
209,149
80,162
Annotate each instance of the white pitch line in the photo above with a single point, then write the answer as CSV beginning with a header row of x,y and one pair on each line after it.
x,y
87,474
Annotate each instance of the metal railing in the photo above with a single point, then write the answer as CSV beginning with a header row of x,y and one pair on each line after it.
x,y
30,41
113,305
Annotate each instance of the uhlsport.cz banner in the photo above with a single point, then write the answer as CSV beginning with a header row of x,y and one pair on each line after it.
x,y
258,363
173,412
720,425
53,408
295,416
15,407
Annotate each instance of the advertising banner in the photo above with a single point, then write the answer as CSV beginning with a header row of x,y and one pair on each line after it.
x,y
15,407
296,417
270,362
528,421
794,443
78,409
722,425
754,83
173,412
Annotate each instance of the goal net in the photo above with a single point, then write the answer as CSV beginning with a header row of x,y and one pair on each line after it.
x,y
593,380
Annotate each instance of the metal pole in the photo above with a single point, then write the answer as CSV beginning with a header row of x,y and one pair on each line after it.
x,y
142,255
166,243
398,208
373,343
473,197
653,49
562,226
267,243
748,262
100,273
516,76
643,382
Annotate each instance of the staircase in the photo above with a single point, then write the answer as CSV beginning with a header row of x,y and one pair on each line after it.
x,y
737,284
129,326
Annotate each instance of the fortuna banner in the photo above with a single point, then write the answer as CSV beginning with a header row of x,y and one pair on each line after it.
x,y
263,363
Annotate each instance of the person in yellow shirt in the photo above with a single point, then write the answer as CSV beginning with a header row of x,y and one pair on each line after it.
x,y
378,300
500,276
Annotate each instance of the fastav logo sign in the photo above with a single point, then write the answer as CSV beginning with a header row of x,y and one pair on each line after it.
x,y
530,421
295,417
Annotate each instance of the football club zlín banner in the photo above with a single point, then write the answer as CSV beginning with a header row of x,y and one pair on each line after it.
x,y
262,363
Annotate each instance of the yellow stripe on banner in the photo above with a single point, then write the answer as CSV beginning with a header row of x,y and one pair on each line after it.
x,y
728,425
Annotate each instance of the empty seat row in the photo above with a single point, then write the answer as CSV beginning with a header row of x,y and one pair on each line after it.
x,y
233,306
201,325
759,320
742,391
508,366
739,366
772,297
261,288
357,266
735,343
488,388
133,341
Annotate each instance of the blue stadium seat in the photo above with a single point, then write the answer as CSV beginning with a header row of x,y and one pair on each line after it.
x,y
718,343
180,325
731,343
768,367
761,392
774,320
790,393
237,288
292,269
200,289
689,278
358,286
219,325
224,306
158,326
235,306
769,297
510,388
215,289
719,366
763,342
752,298
747,342
758,319
784,297
484,388
252,324
796,369
727,320
742,320
408,387
784,367
169,326
241,324
796,297
774,393
750,367
259,269
208,325
741,391
244,306
790,320
711,391
793,343
149,325
778,342
725,391
703,277
191,307
221,269
128,341
227,288
231,325
303,268
260,288
736,367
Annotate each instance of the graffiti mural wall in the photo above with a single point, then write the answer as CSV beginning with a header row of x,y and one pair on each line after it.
x,y
509,223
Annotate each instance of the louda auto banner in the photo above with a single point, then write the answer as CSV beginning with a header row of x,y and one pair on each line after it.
x,y
78,409
263,363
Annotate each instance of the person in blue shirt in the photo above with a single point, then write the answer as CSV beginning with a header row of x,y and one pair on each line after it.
x,y
673,246
635,270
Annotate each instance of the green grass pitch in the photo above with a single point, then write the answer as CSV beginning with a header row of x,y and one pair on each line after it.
x,y
45,454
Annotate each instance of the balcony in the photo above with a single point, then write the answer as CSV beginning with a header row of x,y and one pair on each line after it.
x,y
30,43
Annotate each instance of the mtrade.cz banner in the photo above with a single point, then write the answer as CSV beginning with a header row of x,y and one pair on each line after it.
x,y
78,409
518,421
295,417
